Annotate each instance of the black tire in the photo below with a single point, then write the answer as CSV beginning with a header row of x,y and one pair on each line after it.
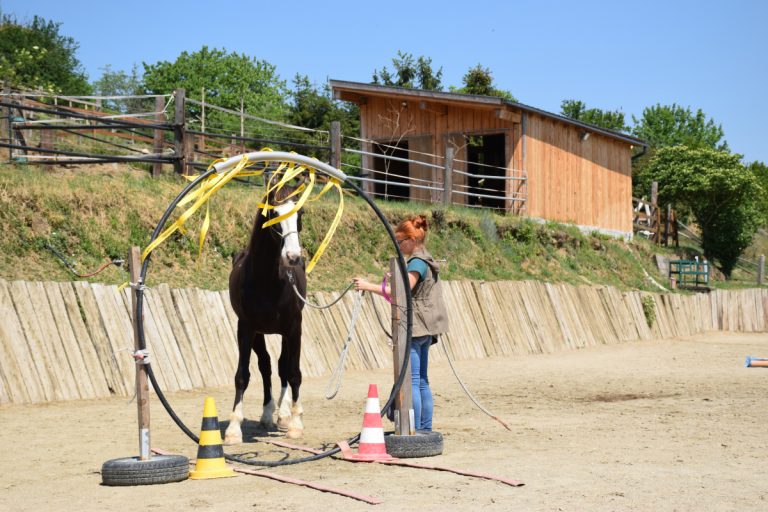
x,y
160,469
423,444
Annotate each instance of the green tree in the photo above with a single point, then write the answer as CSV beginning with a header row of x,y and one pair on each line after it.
x,y
120,83
608,119
760,171
36,55
479,80
411,73
663,125
315,108
226,78
722,195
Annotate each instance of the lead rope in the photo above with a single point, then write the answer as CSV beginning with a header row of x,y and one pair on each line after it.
x,y
339,371
468,393
292,280
455,373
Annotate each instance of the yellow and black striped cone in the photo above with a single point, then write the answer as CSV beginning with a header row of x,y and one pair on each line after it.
x,y
210,452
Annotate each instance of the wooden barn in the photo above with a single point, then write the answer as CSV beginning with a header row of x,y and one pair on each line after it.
x,y
490,152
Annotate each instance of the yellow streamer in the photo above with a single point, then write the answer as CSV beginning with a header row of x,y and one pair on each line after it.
x,y
283,174
331,230
218,181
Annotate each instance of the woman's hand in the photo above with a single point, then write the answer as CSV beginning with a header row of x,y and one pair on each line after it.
x,y
362,284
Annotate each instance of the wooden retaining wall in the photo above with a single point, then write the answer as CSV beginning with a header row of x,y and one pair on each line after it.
x,y
65,341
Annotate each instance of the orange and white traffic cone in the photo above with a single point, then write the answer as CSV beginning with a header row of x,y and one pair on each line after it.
x,y
372,446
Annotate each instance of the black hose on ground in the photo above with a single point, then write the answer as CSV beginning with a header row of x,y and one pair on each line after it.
x,y
142,340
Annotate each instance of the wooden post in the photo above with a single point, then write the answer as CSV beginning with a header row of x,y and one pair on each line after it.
x,y
142,384
761,270
666,225
9,124
7,132
403,405
242,125
448,177
335,158
46,142
157,141
202,119
179,134
655,212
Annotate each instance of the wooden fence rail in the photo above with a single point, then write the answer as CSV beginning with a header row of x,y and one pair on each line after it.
x,y
66,341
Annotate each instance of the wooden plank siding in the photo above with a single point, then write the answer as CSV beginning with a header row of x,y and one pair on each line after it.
x,y
585,182
429,129
588,182
69,341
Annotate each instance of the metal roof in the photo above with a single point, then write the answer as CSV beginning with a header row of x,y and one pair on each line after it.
x,y
475,99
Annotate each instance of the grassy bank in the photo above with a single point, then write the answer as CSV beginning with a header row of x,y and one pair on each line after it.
x,y
89,215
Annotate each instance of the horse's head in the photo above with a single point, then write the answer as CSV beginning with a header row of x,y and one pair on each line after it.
x,y
289,229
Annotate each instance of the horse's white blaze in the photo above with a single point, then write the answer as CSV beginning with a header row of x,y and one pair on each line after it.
x,y
291,246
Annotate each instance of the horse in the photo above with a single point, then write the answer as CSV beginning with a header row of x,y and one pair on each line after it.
x,y
261,290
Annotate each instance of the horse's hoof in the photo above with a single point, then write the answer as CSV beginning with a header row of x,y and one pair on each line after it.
x,y
294,433
232,440
283,425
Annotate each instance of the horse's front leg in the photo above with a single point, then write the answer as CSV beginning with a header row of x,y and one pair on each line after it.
x,y
265,368
289,416
234,433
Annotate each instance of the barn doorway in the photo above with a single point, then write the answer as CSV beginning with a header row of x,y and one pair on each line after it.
x,y
391,175
487,158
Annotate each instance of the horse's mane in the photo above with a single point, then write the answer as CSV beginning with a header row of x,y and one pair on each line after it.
x,y
278,196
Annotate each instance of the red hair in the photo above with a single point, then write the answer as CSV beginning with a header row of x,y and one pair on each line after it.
x,y
414,227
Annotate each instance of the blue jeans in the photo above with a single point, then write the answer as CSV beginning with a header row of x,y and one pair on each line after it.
x,y
422,396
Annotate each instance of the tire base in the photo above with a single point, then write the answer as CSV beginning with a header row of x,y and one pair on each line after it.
x,y
423,444
160,469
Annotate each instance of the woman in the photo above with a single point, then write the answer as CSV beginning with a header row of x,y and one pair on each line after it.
x,y
429,316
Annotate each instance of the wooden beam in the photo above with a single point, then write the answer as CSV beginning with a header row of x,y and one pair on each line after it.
x,y
403,405
507,115
438,109
349,96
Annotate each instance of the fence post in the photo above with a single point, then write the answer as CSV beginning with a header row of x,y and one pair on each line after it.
x,y
403,404
202,119
142,384
335,159
46,142
242,124
157,140
655,213
448,176
179,133
666,225
761,270
9,122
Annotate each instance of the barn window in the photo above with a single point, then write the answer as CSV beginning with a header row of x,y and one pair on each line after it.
x,y
486,157
391,175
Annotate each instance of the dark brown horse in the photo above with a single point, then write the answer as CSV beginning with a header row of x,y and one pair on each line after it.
x,y
265,302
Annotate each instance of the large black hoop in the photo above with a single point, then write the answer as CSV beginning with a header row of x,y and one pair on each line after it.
x,y
228,166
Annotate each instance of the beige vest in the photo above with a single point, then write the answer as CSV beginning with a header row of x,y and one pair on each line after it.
x,y
429,315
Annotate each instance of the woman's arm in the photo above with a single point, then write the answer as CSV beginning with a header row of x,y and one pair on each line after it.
x,y
367,286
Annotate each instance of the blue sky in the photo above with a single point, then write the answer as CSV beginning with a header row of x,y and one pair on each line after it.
x,y
611,55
